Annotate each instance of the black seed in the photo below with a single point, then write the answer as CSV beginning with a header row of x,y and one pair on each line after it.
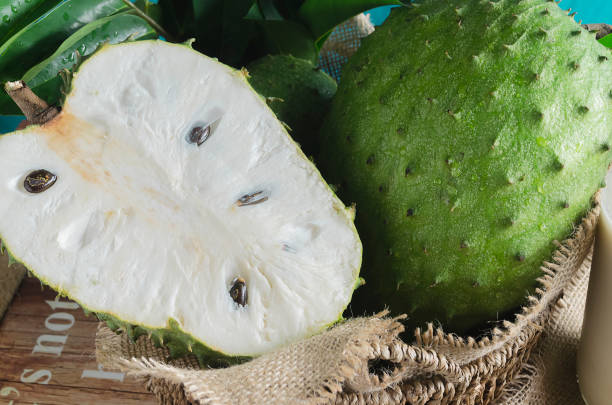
x,y
252,199
238,292
520,257
408,171
409,212
39,181
199,135
288,248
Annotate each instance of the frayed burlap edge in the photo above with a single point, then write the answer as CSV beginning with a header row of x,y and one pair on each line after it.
x,y
365,361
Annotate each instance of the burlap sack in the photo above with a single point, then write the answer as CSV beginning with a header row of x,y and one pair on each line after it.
x,y
10,279
363,360
528,361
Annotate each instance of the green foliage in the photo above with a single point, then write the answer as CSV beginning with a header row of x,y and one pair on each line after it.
x,y
16,14
43,78
43,37
240,31
322,15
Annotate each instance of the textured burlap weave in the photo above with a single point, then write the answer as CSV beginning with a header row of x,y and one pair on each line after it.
x,y
363,360
10,278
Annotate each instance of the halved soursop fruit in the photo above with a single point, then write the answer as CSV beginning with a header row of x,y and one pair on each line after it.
x,y
167,198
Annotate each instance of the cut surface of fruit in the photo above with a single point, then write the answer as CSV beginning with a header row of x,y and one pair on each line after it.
x,y
167,190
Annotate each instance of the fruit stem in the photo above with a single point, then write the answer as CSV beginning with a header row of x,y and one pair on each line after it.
x,y
35,109
160,30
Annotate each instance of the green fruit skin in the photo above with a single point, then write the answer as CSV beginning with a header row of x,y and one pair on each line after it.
x,y
471,135
43,78
41,37
298,92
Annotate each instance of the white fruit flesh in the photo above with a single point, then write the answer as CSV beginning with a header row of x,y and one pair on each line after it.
x,y
144,225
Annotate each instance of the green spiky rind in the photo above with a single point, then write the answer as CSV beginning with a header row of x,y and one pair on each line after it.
x,y
11,258
297,91
172,336
471,134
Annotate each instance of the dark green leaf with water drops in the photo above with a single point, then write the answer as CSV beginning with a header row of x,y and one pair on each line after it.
x,y
43,78
16,14
42,36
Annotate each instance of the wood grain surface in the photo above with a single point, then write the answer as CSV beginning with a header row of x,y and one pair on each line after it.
x,y
47,355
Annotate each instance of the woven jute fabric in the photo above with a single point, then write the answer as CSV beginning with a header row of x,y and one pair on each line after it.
x,y
364,361
10,279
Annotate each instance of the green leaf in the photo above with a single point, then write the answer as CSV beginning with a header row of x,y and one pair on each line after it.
x,y
220,30
43,78
269,11
16,14
177,17
321,16
606,41
38,39
236,32
290,38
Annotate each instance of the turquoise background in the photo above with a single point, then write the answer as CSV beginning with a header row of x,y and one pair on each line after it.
x,y
589,11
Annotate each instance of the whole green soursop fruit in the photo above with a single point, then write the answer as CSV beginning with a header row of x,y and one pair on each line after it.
x,y
297,91
167,198
471,134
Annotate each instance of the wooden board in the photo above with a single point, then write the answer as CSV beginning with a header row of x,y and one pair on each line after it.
x,y
47,355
